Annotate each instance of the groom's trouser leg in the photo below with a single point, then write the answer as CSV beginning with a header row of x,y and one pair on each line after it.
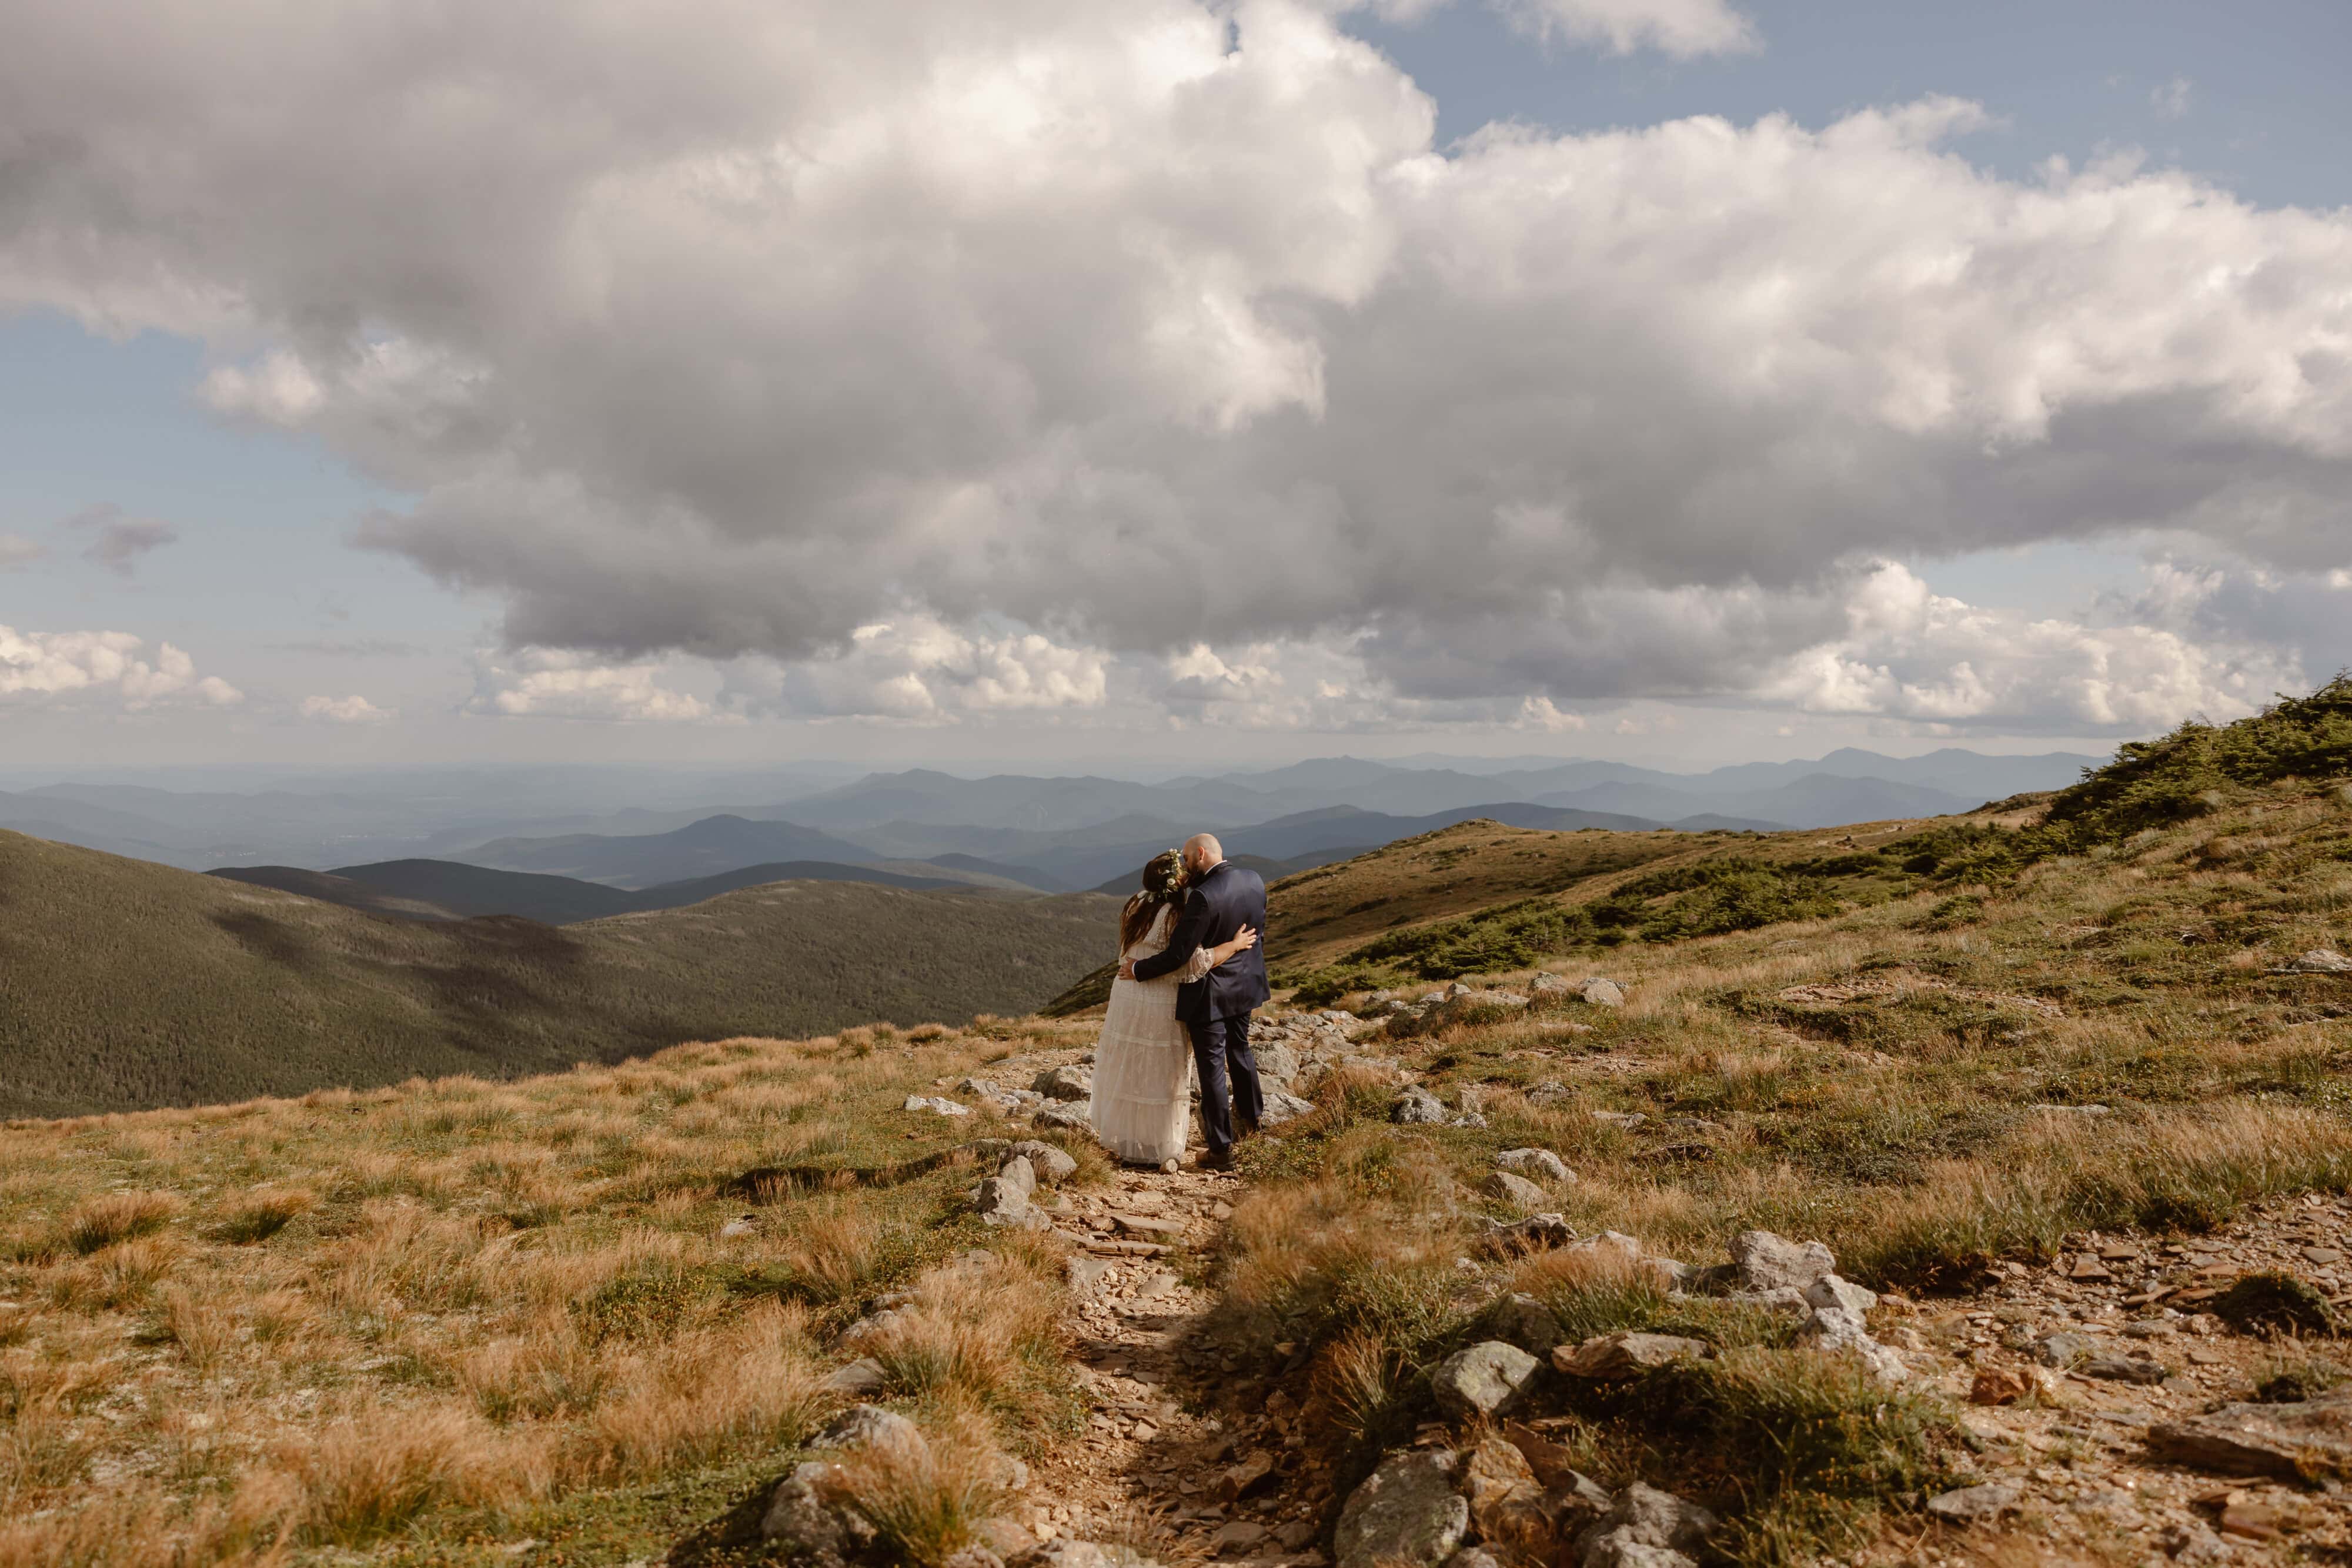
x,y
1241,1066
1209,1058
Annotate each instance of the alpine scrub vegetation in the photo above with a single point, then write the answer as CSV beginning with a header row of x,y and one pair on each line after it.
x,y
406,1318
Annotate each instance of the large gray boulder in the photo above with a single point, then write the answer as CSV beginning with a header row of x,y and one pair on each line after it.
x,y
1767,1262
1487,1379
1406,1513
1277,1064
1836,1328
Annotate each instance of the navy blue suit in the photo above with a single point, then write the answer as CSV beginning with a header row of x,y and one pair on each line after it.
x,y
1216,1007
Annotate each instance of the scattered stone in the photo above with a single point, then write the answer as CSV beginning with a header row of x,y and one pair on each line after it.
x,y
1245,1478
1767,1262
1417,1106
1075,1118
980,1088
1835,1327
871,1427
805,1522
1535,1233
1516,1190
1977,1504
1019,1175
1628,1353
1601,993
1299,1535
2305,1442
1064,1083
1829,1290
1485,1380
1004,1202
2319,961
975,1556
862,1376
1551,1092
1535,1164
1238,1538
1642,1523
1508,1506
936,1106
1281,1106
2002,1386
1405,1512
1520,1319
2061,1350
742,1224
1475,1557
1085,1271
2115,1368
1628,1120
1048,1164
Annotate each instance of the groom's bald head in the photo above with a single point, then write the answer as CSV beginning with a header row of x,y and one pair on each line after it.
x,y
1201,850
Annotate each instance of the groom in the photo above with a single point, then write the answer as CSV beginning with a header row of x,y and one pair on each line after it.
x,y
1215,1009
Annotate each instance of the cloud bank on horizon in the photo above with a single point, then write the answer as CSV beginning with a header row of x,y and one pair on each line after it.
x,y
1047,358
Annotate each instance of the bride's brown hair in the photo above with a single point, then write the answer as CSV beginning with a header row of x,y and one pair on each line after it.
x,y
1163,882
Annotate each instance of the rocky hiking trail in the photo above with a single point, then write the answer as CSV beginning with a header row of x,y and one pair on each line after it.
x,y
2136,1400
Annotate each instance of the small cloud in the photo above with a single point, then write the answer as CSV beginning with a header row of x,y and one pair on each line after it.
x,y
122,538
352,709
2171,100
16,550
1681,28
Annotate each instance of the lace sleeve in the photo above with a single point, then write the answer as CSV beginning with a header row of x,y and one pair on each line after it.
x,y
1202,961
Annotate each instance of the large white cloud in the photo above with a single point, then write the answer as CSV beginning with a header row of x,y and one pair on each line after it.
x,y
738,330
555,682
59,668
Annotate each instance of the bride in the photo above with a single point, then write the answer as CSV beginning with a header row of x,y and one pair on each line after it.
x,y
1143,1064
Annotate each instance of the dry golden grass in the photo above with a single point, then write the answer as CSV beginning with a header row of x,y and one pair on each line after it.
x,y
239,1333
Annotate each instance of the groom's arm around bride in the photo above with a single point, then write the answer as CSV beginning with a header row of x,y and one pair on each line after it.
x,y
1215,1009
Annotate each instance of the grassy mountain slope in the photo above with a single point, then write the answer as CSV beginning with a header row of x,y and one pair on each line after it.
x,y
124,984
328,887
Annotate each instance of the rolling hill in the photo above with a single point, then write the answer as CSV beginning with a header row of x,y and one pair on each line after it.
x,y
451,889
125,984
705,848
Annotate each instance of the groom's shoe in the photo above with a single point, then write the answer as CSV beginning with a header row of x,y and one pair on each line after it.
x,y
1217,1160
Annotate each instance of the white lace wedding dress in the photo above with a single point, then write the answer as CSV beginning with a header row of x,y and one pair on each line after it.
x,y
1143,1062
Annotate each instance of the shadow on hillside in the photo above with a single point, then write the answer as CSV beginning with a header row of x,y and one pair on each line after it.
x,y
263,937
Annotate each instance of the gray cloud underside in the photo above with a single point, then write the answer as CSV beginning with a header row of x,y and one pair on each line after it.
x,y
737,329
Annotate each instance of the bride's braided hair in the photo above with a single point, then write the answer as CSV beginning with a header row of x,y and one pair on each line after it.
x,y
1163,882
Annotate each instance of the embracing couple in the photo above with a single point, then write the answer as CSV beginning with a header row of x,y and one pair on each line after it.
x,y
1190,975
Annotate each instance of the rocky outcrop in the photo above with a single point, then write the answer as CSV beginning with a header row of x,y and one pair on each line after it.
x,y
1766,1261
1646,1528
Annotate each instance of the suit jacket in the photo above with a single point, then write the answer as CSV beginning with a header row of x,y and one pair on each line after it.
x,y
1219,904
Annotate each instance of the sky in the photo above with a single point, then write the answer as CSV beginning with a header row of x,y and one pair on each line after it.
x,y
1678,381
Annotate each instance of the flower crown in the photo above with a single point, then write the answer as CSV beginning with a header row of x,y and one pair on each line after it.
x,y
1176,876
